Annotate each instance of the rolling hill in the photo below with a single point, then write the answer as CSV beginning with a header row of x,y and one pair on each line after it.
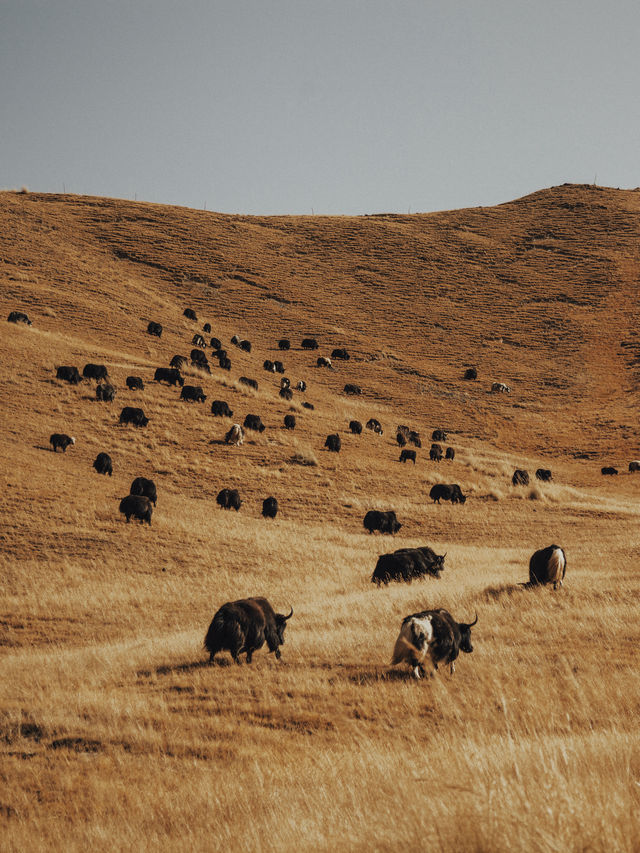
x,y
114,730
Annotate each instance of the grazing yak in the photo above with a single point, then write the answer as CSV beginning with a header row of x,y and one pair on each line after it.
x,y
435,453
68,373
18,317
269,507
307,405
544,474
309,343
235,435
323,361
254,422
374,425
137,506
105,392
135,383
355,427
221,409
207,328
432,633
225,363
95,371
634,466
471,373
407,564
438,435
193,394
198,356
235,340
245,345
61,440
190,314
143,486
520,477
284,344
548,565
279,366
245,626
383,521
408,455
301,385
500,388
609,470
171,375
198,341
285,383
103,464
450,454
215,344
132,415
286,394
444,492
333,442
229,499
251,383
179,362
289,421
340,352
350,388
154,329
199,359
404,436
268,365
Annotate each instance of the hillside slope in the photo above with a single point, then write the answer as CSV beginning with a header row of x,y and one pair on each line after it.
x,y
539,293
115,733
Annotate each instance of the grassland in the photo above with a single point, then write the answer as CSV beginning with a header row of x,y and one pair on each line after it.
x,y
115,733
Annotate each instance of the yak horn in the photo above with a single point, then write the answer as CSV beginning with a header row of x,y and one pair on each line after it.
x,y
471,624
290,614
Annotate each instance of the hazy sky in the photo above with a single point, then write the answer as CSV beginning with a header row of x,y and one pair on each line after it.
x,y
331,106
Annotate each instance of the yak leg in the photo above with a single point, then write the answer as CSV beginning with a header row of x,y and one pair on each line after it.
x,y
277,654
249,655
452,667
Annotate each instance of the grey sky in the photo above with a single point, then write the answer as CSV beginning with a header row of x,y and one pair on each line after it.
x,y
289,106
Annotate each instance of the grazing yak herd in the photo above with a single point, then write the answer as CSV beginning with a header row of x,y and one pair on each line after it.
x,y
244,626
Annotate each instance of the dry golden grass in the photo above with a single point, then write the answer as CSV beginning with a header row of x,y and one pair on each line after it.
x,y
115,733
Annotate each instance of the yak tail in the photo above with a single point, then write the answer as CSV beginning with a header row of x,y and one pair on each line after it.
x,y
404,650
557,565
216,629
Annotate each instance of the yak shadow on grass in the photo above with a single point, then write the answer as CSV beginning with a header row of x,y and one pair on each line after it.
x,y
503,591
190,666
77,744
374,676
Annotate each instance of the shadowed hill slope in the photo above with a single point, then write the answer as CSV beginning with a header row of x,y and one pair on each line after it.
x,y
540,293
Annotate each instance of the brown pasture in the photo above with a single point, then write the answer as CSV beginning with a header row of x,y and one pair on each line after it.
x,y
116,733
